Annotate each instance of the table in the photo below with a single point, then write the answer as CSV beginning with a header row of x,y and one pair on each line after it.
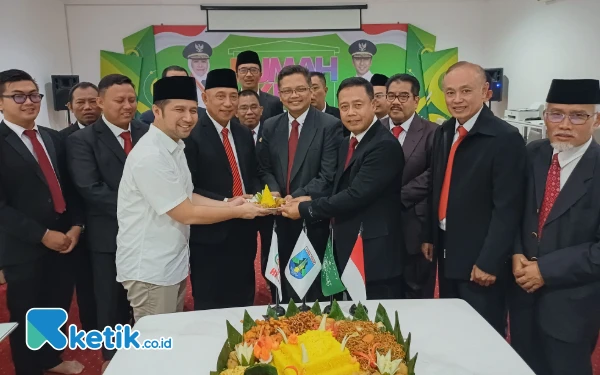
x,y
450,337
6,329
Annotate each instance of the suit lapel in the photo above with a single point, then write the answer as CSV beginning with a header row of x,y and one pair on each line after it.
x,y
240,146
281,138
16,143
541,164
214,139
413,136
309,129
385,122
341,161
136,132
575,188
51,150
362,145
107,137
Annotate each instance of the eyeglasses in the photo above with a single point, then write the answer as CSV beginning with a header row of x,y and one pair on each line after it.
x,y
298,90
22,98
379,95
253,71
574,118
402,98
244,109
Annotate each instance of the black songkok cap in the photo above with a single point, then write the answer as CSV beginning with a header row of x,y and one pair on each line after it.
x,y
574,91
175,88
247,57
221,78
379,79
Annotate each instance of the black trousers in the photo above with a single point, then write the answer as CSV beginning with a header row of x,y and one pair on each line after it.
x,y
46,282
84,286
111,297
222,274
386,289
419,276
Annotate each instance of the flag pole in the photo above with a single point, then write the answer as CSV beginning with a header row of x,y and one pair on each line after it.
x,y
278,308
327,308
304,307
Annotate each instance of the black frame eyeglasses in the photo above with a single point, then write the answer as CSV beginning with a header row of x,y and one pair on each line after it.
x,y
22,98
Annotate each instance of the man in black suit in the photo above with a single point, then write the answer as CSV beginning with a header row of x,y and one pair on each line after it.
x,y
415,135
171,71
96,159
298,157
319,93
249,112
476,196
40,220
555,307
249,71
83,103
222,161
366,193
382,105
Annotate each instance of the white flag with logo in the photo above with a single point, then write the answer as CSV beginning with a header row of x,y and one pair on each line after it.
x,y
272,272
304,266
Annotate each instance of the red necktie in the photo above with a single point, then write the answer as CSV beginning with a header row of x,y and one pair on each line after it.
x,y
462,133
351,148
128,145
550,194
237,180
397,130
55,191
292,146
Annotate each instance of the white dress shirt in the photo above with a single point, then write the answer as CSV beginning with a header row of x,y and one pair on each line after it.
x,y
569,159
20,131
405,126
368,75
360,136
219,129
151,246
300,120
80,125
255,133
117,131
468,126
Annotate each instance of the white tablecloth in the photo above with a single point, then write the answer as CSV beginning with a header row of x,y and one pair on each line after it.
x,y
450,337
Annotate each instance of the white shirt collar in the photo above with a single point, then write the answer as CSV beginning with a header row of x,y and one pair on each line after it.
x,y
300,118
360,136
80,125
117,131
566,157
255,130
384,117
406,124
470,123
19,130
218,126
324,108
165,140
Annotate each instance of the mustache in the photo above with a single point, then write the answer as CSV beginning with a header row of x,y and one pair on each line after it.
x,y
396,107
564,133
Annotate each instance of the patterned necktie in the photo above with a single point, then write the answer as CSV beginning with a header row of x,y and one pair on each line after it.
x,y
550,194
237,179
397,130
55,191
254,136
128,145
462,133
292,146
351,147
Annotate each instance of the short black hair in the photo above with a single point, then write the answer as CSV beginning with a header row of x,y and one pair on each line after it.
x,y
113,79
244,93
162,104
173,68
403,77
321,77
14,75
83,86
293,69
356,82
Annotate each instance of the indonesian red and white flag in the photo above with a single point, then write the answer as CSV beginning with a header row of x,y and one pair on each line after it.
x,y
353,276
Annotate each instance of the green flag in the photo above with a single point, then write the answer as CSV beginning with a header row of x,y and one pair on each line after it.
x,y
330,278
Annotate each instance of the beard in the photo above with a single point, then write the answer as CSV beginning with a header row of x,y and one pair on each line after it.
x,y
561,146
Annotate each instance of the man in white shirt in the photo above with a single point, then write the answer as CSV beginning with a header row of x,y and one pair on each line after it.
x,y
362,52
156,205
555,304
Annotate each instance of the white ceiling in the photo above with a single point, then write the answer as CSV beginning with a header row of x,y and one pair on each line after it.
x,y
241,2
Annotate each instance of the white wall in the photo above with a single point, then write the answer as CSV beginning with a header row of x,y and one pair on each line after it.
x,y
96,27
535,42
34,39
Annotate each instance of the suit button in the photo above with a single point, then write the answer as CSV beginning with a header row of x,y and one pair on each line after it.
x,y
535,235
49,200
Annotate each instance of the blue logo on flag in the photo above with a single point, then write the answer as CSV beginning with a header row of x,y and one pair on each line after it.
x,y
43,326
301,264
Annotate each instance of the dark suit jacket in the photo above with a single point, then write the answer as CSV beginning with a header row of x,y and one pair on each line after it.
x,y
417,171
367,193
70,129
271,104
334,111
212,177
26,207
486,195
568,305
148,116
315,160
96,161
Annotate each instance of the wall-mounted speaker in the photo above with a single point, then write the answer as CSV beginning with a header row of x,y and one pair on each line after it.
x,y
496,80
61,85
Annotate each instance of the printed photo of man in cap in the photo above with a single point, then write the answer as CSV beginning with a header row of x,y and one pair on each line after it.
x,y
362,52
198,55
